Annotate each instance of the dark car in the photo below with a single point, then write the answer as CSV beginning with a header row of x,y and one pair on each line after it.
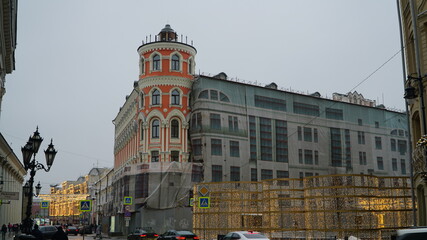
x,y
48,231
85,229
178,235
143,234
72,230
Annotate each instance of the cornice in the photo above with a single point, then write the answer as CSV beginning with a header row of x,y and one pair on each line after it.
x,y
165,81
167,46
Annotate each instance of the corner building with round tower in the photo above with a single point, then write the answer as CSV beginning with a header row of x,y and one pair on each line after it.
x,y
151,139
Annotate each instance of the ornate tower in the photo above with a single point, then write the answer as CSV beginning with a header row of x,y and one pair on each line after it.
x,y
166,68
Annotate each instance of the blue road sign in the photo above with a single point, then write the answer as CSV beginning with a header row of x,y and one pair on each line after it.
x,y
204,202
45,204
127,201
85,205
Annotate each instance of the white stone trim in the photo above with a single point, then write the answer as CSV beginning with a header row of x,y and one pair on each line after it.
x,y
165,81
167,46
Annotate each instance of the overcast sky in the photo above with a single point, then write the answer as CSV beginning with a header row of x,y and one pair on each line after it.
x,y
76,61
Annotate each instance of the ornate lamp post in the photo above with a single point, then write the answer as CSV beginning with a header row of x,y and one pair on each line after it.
x,y
30,150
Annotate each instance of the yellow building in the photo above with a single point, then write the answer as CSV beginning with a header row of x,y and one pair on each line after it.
x,y
413,16
64,201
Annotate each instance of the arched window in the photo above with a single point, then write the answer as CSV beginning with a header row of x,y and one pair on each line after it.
x,y
175,62
155,97
142,65
156,62
174,129
190,66
155,129
175,97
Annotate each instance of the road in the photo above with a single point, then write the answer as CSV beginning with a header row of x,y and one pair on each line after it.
x,y
92,237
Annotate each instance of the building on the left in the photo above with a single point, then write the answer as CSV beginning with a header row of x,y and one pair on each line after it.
x,y
12,171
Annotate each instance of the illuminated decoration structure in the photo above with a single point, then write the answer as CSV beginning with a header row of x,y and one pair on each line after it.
x,y
318,207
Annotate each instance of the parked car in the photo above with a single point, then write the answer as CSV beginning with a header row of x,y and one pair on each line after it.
x,y
412,233
244,235
85,229
72,230
48,231
143,234
178,235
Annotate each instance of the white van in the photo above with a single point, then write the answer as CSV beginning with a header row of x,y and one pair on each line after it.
x,y
412,234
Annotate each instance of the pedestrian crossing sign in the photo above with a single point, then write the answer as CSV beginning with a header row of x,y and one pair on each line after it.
x,y
127,201
45,204
85,205
204,202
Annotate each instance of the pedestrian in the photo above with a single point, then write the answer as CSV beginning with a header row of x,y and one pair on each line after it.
x,y
37,233
98,232
60,234
3,231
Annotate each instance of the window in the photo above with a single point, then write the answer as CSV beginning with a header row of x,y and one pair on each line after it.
x,y
393,144
155,97
175,62
401,146
360,122
362,158
254,175
307,134
174,129
223,97
141,100
204,94
266,174
333,113
316,157
175,98
394,164
253,137
282,174
174,156
156,62
190,66
378,144
197,173
216,147
234,173
215,121
196,121
216,173
233,124
141,185
281,141
336,147
377,125
308,156
214,95
197,147
142,61
315,135
141,130
306,109
403,166
361,137
380,163
234,149
155,128
266,139
270,103
300,158
299,130
154,156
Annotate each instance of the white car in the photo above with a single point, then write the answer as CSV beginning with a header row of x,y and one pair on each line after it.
x,y
412,234
245,235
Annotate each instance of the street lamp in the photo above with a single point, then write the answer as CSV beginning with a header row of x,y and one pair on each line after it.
x,y
28,151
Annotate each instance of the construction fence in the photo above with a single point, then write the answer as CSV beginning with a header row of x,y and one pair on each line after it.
x,y
318,207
